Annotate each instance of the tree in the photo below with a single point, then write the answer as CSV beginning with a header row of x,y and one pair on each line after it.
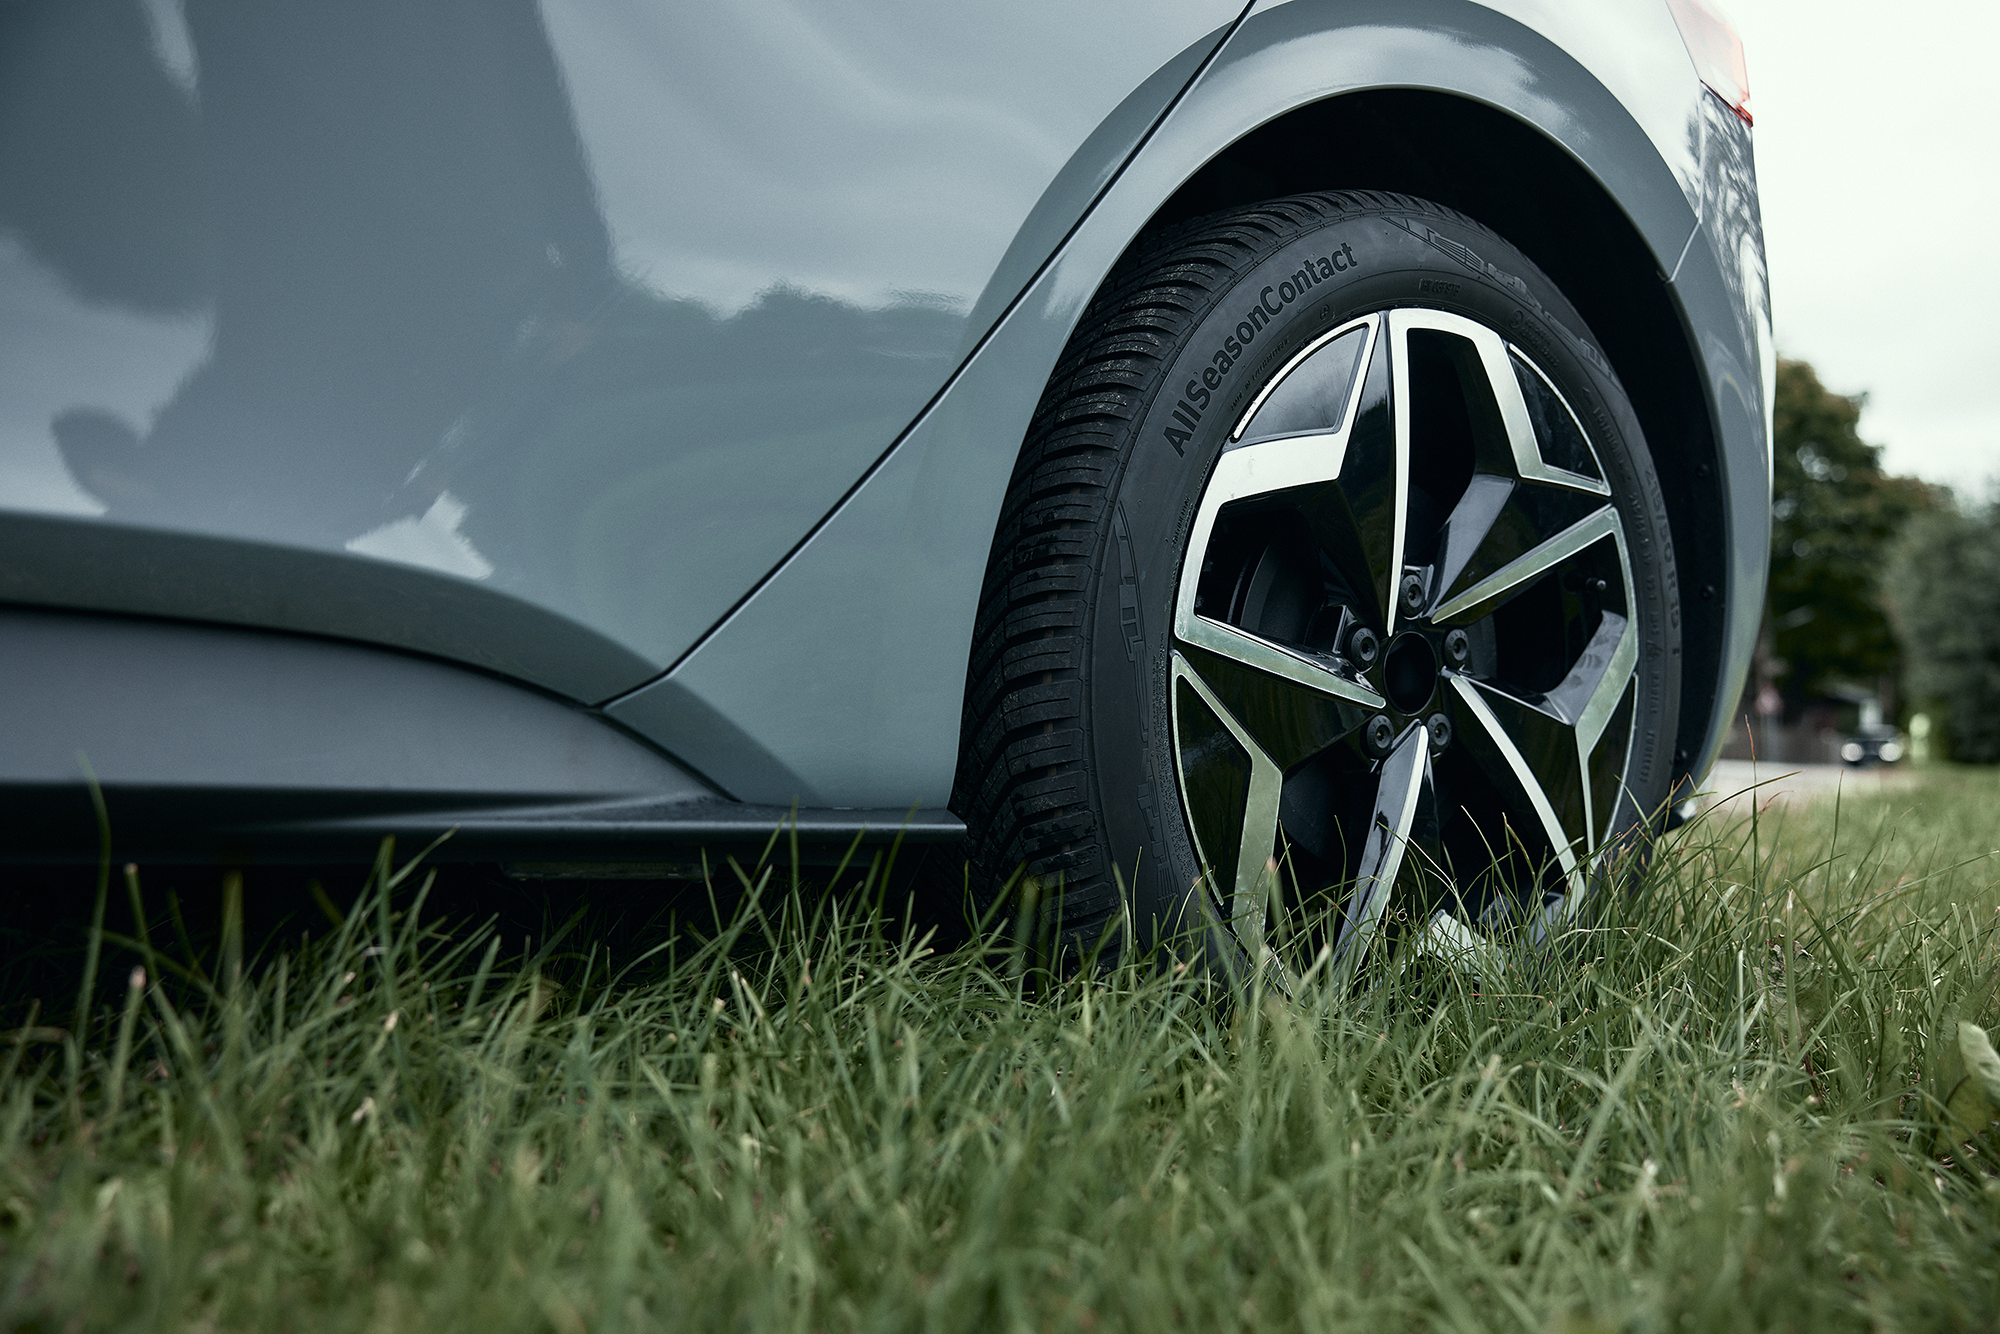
x,y
1944,588
1834,513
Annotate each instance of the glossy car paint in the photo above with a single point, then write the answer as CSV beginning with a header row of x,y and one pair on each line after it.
x,y
328,746
308,713
884,592
598,307
589,343
1722,283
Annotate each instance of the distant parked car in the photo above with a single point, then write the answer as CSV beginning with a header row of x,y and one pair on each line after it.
x,y
1870,746
1201,452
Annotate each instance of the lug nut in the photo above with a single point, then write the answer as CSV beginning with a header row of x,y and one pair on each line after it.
x,y
1379,733
1439,727
1413,592
1457,647
1362,646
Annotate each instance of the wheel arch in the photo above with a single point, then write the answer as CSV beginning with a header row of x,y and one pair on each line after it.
x,y
1511,177
872,716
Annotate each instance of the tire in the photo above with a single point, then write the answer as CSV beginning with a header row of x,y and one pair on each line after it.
x,y
1424,743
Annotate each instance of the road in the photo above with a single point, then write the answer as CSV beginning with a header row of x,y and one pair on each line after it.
x,y
1733,784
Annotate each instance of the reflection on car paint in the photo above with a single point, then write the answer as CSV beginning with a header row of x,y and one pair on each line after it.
x,y
499,293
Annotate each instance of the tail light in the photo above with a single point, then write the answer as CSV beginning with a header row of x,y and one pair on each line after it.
x,y
1717,51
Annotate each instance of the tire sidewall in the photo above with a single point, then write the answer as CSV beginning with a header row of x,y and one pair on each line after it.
x,y
1363,259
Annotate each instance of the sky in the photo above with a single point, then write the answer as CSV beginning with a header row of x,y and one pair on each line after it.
x,y
1878,166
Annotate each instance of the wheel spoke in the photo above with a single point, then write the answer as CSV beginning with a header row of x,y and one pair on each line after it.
x,y
1501,525
1588,697
1561,453
1546,743
1231,792
1289,720
1605,760
1534,418
1404,800
1520,752
1465,399
1375,483
1324,675
1590,692
1532,564
1468,530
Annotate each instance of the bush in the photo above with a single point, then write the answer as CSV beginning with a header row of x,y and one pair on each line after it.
x,y
1944,591
1834,513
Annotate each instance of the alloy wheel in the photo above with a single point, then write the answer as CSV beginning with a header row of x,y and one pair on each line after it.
x,y
1404,654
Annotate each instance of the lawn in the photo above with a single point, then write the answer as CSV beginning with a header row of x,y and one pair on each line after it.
x,y
1715,1105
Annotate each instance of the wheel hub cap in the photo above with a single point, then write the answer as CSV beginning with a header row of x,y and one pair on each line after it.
x,y
1410,672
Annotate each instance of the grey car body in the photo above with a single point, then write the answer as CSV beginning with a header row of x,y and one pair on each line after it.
x,y
588,422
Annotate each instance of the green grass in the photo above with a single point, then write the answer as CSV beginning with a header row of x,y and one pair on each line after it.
x,y
1713,1109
